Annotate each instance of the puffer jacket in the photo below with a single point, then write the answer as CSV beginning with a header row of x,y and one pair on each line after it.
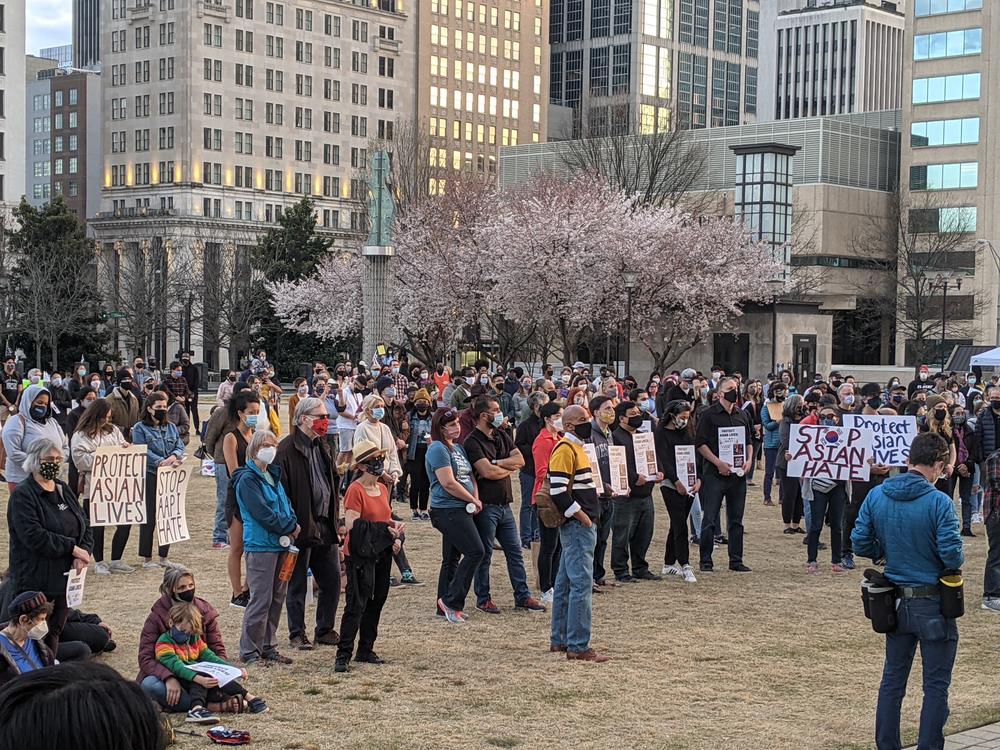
x,y
266,510
156,625
772,436
22,430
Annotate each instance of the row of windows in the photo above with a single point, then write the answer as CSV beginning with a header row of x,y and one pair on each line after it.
x,y
947,44
511,108
943,220
944,176
511,20
511,78
954,88
937,7
945,132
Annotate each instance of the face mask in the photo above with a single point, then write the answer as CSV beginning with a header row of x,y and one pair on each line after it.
x,y
34,379
731,396
605,417
423,376
303,391
179,636
484,381
635,422
897,398
81,372
972,381
178,373
250,420
874,402
49,469
779,396
497,419
704,392
56,381
139,365
922,420
848,399
583,430
39,631
395,371
160,415
526,385
828,422
320,425
376,468
958,420
266,454
940,414
185,596
39,413
126,384
96,384
232,378
923,376
557,424
680,423
995,404
378,413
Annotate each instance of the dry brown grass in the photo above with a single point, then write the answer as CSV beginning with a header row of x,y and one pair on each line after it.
x,y
773,659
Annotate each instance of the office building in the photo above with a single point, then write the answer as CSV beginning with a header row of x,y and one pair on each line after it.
x,y
63,55
38,129
843,172
87,33
949,188
628,65
482,80
829,57
12,97
215,122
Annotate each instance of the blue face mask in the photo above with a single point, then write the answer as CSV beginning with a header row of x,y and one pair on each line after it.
x,y
827,422
251,420
378,412
179,636
498,419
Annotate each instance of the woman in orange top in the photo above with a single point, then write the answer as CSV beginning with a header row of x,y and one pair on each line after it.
x,y
442,379
366,500
541,449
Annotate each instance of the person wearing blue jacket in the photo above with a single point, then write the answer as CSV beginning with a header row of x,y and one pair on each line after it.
x,y
269,528
163,448
772,439
913,526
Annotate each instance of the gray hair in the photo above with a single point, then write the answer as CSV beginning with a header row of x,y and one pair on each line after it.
x,y
791,406
843,386
260,437
537,400
727,379
37,449
172,575
305,406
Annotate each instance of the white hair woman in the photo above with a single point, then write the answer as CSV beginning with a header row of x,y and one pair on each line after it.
x,y
374,430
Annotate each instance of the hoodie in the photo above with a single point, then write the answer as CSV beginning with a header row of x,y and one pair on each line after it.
x,y
913,526
22,430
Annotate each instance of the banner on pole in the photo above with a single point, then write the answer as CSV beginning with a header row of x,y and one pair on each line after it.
x,y
118,486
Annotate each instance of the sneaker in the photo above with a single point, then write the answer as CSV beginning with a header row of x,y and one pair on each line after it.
x,y
547,596
201,715
257,706
706,567
799,530
977,518
848,562
425,516
531,604
220,545
648,575
101,569
812,568
415,515
394,582
117,566
370,658
163,562
721,539
275,657
149,565
837,568
695,539
967,532
626,579
769,503
991,603
588,655
450,614
740,568
300,642
688,574
241,600
670,570
329,638
789,530
341,664
488,607
408,579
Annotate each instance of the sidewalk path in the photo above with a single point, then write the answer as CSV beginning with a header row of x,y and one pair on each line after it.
x,y
974,739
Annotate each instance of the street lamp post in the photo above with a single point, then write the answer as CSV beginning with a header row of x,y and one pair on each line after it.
x,y
630,279
945,284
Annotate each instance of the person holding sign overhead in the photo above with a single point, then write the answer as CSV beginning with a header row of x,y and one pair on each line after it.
x,y
721,440
163,448
828,496
49,533
676,456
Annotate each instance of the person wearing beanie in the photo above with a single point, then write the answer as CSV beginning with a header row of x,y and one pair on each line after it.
x,y
420,416
124,403
22,649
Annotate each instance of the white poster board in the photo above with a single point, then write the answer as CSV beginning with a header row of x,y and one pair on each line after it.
x,y
820,452
645,455
891,436
687,471
222,672
733,447
118,486
595,468
617,458
74,587
171,497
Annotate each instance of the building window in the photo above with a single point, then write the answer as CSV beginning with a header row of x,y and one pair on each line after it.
x,y
943,220
944,176
947,44
763,197
944,132
954,88
937,7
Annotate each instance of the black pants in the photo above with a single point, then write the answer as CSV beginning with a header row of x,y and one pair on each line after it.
x,y
859,491
632,533
678,509
461,552
420,483
202,696
94,637
714,489
791,498
367,590
191,407
604,522
148,530
118,541
549,552
830,503
324,561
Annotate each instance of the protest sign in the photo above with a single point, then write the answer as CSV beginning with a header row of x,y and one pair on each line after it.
x,y
686,466
595,468
171,493
222,672
820,452
619,469
774,411
645,455
74,587
118,486
891,436
733,447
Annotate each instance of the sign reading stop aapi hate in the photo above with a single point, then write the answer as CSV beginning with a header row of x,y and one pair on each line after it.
x,y
892,436
171,501
118,486
820,452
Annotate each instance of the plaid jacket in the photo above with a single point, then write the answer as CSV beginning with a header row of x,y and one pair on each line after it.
x,y
990,482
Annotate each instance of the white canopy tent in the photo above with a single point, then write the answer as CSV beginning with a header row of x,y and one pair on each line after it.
x,y
989,358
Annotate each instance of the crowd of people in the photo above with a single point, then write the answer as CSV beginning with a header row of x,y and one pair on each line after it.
x,y
310,512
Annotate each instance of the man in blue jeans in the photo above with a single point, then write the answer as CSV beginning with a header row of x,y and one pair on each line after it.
x,y
574,493
914,527
494,460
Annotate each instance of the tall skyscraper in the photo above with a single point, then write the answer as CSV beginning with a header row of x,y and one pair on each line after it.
x,y
12,116
829,57
482,79
87,33
949,186
626,65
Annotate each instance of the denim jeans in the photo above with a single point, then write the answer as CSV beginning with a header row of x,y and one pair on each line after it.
x,y
497,522
528,517
964,485
604,524
834,500
156,689
696,516
574,587
807,497
770,457
713,489
461,553
920,622
991,579
220,531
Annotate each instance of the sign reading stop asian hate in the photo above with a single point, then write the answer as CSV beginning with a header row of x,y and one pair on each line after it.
x,y
821,452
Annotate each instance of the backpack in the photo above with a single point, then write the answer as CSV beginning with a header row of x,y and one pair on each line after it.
x,y
549,514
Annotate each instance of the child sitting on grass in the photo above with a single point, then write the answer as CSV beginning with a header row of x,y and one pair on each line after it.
x,y
182,645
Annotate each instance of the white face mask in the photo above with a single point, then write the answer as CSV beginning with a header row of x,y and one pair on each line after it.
x,y
266,454
39,631
923,376
972,380
557,424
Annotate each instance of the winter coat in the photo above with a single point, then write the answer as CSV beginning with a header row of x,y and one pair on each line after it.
x,y
84,447
125,409
22,430
156,625
265,508
177,415
292,461
8,668
772,438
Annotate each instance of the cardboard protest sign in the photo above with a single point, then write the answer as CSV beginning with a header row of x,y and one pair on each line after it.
x,y
733,447
171,493
686,467
118,486
820,452
74,587
619,469
645,455
891,436
774,411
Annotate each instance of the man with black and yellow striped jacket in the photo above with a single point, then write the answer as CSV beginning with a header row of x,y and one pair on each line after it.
x,y
574,492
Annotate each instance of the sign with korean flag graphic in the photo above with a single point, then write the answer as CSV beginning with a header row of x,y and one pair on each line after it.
x,y
822,452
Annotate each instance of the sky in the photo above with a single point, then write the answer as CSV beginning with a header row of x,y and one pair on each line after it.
x,y
49,24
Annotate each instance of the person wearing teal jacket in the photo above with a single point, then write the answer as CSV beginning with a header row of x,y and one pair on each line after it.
x,y
772,438
269,529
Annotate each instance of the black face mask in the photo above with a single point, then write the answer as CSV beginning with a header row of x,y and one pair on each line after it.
x,y
635,422
731,396
995,404
376,468
440,371
940,414
160,415
874,402
186,596
583,430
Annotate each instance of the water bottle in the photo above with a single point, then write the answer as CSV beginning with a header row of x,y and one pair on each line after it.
x,y
288,564
310,597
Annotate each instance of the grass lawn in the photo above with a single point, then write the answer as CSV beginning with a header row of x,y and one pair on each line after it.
x,y
771,659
